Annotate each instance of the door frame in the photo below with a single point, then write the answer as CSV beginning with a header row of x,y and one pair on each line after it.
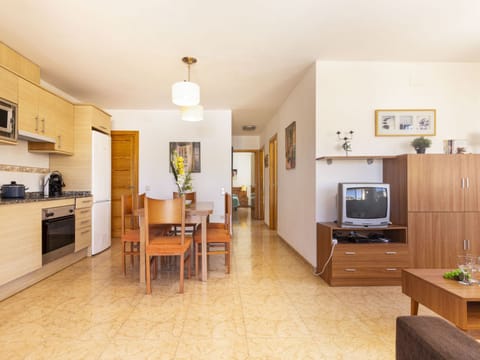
x,y
259,207
273,182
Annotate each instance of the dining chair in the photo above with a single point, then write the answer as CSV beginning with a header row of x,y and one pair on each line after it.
x,y
192,197
166,213
130,234
218,238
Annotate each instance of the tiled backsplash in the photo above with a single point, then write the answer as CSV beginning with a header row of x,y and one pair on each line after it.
x,y
17,164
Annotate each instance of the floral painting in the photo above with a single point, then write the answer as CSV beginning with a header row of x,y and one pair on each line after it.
x,y
190,152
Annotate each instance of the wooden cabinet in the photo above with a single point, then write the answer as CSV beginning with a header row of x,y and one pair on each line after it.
x,y
19,64
354,264
8,86
100,120
60,113
83,223
21,238
437,197
34,105
77,169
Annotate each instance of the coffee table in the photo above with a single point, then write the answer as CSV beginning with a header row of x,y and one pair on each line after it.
x,y
455,302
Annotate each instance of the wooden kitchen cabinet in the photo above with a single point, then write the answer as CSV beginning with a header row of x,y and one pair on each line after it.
x,y
8,86
19,64
83,223
356,264
34,109
60,112
101,121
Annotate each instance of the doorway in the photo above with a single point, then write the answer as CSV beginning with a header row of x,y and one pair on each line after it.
x,y
124,172
272,188
247,180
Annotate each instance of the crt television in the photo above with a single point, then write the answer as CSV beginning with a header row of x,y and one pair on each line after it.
x,y
363,204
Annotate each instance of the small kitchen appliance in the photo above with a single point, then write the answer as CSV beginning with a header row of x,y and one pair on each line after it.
x,y
52,184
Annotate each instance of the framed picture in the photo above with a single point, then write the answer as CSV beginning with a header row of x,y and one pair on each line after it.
x,y
290,144
190,151
421,122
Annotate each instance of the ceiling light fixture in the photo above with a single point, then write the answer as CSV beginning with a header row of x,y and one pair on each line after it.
x,y
248,127
186,93
192,113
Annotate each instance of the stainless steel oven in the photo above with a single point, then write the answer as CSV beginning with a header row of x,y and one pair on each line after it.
x,y
58,232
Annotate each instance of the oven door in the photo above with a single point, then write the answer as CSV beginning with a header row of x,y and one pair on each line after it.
x,y
58,238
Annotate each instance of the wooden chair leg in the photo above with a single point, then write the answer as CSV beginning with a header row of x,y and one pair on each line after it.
x,y
131,256
181,272
148,284
155,267
123,259
197,259
227,258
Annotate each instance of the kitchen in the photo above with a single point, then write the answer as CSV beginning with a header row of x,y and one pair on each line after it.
x,y
29,161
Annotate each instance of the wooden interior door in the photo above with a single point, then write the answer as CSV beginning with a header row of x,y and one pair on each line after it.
x,y
124,172
273,183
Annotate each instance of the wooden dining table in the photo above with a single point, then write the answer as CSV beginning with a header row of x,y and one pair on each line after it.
x,y
196,212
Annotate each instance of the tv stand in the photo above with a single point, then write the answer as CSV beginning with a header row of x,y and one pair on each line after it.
x,y
362,256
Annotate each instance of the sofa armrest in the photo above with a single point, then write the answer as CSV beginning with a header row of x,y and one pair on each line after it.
x,y
429,338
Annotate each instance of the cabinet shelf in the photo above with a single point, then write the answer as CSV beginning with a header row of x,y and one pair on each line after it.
x,y
368,158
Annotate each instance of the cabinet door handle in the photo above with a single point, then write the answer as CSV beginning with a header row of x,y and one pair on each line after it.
x,y
465,244
463,183
350,270
468,182
43,125
36,123
391,269
350,252
391,252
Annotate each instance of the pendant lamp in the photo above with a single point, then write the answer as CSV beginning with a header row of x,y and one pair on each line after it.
x,y
186,93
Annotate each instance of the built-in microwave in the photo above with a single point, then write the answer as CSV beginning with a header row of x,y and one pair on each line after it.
x,y
8,121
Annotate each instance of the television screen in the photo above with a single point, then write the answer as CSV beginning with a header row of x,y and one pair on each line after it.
x,y
366,202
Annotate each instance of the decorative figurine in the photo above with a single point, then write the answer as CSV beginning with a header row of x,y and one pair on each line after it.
x,y
347,141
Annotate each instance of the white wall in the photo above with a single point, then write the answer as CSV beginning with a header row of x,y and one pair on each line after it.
x,y
348,94
251,142
158,128
296,187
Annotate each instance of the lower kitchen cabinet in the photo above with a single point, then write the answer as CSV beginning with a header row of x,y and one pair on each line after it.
x,y
21,238
83,223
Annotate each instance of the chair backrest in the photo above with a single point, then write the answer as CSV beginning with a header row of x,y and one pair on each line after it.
x,y
126,203
141,201
188,196
165,212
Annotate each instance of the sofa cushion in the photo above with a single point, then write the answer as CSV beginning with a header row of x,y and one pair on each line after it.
x,y
429,337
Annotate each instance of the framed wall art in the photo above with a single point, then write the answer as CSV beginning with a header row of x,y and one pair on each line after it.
x,y
190,151
417,122
290,146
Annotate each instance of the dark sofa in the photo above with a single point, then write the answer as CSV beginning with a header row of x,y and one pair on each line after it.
x,y
429,338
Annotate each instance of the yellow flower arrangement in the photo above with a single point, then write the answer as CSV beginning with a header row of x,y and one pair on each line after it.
x,y
183,178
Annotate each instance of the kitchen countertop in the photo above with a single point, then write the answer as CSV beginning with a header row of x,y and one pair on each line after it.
x,y
38,196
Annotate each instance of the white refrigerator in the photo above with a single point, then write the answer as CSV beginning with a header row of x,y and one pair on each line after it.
x,y
101,191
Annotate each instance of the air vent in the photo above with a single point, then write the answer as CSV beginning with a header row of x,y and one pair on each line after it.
x,y
248,127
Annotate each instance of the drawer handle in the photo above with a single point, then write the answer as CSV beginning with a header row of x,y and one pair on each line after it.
x,y
391,269
85,222
350,270
350,252
84,232
390,252
83,211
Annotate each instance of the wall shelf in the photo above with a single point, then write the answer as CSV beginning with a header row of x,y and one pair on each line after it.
x,y
368,158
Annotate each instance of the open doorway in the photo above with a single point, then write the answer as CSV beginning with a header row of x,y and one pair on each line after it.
x,y
247,182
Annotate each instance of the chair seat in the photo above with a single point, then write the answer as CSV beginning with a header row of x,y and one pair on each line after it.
x,y
131,236
168,245
216,233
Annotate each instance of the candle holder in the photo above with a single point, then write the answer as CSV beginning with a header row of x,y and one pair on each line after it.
x,y
347,141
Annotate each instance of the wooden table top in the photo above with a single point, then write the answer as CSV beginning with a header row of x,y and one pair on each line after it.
x,y
435,277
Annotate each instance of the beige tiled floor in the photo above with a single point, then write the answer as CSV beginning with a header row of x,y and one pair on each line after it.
x,y
269,307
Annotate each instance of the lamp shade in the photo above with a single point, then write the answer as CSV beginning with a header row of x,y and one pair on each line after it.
x,y
192,113
185,93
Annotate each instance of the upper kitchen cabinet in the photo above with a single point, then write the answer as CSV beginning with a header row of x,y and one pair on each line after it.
x,y
101,121
19,64
60,115
8,86
33,111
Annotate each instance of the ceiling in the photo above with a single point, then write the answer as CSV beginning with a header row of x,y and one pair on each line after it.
x,y
124,54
